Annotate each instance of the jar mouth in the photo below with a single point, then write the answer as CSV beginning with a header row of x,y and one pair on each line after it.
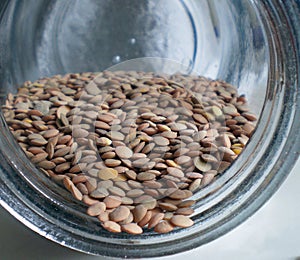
x,y
266,161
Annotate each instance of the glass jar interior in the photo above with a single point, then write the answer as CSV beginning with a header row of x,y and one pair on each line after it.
x,y
218,39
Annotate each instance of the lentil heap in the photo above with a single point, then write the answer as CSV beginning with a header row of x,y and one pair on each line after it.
x,y
132,146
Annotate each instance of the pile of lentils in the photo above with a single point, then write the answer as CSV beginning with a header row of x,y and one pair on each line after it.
x,y
132,146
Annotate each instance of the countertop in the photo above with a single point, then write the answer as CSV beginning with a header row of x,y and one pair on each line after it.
x,y
273,232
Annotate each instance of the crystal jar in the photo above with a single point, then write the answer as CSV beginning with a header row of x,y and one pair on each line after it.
x,y
251,44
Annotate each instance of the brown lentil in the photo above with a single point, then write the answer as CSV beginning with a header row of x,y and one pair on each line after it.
x,y
155,219
96,209
139,213
119,214
111,226
132,228
163,227
181,221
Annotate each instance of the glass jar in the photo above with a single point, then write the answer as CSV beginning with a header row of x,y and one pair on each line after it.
x,y
251,44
